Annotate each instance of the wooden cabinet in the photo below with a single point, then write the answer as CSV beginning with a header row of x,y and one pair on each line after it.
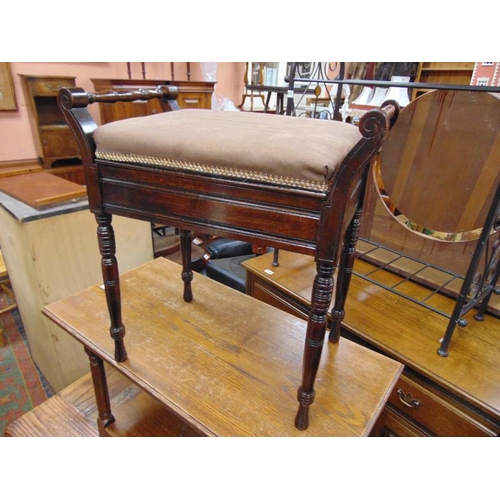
x,y
454,396
191,95
455,73
54,142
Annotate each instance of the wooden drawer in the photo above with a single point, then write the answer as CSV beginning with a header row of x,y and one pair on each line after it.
x,y
49,87
429,410
194,100
392,423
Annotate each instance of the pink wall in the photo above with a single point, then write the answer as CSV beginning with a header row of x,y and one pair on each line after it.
x,y
16,139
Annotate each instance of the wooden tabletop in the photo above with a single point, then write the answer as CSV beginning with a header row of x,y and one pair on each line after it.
x,y
40,189
227,364
405,330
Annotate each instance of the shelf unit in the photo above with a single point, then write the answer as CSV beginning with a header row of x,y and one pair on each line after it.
x,y
456,73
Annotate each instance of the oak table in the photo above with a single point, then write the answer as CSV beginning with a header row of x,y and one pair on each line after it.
x,y
230,370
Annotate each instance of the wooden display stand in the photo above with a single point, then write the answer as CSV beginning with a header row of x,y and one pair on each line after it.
x,y
212,369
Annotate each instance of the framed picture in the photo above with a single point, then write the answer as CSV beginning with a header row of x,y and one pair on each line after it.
x,y
7,94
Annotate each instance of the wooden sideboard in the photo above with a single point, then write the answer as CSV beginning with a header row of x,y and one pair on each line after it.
x,y
454,396
191,95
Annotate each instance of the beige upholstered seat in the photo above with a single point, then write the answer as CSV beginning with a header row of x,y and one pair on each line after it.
x,y
273,149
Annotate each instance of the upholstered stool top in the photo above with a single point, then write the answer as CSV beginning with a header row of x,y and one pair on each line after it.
x,y
275,149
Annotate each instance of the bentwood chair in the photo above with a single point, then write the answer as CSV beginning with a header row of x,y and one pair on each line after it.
x,y
279,181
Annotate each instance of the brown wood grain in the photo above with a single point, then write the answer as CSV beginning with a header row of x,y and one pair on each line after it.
x,y
39,189
440,161
227,364
405,331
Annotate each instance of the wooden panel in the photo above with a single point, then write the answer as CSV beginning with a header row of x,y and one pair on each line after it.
x,y
219,372
58,142
55,417
40,188
48,85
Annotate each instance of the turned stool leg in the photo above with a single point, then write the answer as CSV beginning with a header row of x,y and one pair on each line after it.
x,y
187,273
344,275
105,417
109,264
315,337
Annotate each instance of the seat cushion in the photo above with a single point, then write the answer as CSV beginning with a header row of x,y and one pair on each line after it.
x,y
229,271
275,149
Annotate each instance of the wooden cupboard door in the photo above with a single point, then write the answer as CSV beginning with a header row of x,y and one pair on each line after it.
x,y
58,142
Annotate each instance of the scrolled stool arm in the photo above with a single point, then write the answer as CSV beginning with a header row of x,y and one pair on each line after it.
x,y
379,121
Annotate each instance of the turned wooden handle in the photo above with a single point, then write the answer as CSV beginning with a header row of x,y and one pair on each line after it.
x,y
163,91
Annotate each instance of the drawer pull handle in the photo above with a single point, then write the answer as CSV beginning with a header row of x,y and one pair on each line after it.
x,y
407,399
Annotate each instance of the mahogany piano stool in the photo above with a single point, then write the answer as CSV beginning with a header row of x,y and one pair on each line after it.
x,y
278,181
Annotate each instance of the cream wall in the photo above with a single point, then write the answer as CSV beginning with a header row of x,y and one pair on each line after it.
x,y
16,139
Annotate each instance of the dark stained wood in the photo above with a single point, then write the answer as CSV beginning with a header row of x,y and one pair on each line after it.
x,y
230,370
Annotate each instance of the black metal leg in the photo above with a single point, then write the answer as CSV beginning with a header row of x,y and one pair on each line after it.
x,y
187,273
276,256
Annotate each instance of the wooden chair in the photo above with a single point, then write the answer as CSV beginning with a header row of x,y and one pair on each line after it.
x,y
271,180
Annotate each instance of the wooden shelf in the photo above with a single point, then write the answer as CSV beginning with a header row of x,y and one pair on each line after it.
x,y
73,413
456,73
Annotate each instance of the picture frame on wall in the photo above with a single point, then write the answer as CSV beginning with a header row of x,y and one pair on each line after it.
x,y
7,94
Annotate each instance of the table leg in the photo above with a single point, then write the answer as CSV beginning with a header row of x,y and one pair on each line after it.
x,y
105,417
